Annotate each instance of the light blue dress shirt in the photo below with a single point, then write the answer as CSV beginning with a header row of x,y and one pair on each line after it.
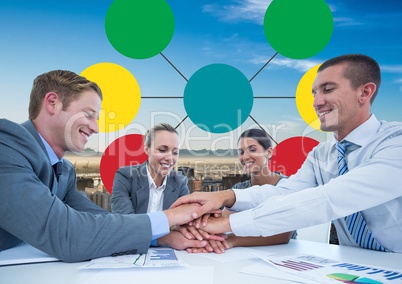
x,y
50,152
316,194
159,225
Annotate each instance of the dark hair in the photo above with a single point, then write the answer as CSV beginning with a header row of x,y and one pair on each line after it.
x,y
149,136
261,136
361,69
68,85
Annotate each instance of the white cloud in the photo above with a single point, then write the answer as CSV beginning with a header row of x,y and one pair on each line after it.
x,y
399,81
332,7
298,65
248,10
346,22
254,11
392,68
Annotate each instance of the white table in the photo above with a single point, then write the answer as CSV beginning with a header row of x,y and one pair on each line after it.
x,y
67,273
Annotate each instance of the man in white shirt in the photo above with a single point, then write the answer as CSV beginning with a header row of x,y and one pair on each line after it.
x,y
344,90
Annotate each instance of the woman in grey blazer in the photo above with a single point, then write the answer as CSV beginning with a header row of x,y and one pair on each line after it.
x,y
153,185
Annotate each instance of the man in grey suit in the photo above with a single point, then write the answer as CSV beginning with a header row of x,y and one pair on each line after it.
x,y
47,211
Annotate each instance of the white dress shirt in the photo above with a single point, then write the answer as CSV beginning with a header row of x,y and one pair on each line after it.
x,y
155,202
316,194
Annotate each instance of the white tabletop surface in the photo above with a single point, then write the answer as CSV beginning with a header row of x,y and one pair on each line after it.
x,y
199,267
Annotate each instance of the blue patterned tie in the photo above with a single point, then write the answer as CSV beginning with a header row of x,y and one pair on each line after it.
x,y
355,222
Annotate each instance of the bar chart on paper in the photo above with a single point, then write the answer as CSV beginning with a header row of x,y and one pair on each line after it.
x,y
329,271
162,255
297,265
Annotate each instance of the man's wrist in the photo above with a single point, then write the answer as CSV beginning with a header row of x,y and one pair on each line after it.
x,y
229,198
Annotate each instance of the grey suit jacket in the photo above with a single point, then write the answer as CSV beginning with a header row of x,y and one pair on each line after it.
x,y
131,189
54,216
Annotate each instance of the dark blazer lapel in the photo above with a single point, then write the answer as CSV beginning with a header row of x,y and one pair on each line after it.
x,y
142,191
31,129
28,125
170,194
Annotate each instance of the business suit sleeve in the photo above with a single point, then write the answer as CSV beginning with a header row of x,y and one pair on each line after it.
x,y
31,213
121,195
74,198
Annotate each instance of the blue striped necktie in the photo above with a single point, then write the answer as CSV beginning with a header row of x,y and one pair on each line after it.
x,y
355,222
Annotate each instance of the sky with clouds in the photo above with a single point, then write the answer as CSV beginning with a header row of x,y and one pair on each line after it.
x,y
39,36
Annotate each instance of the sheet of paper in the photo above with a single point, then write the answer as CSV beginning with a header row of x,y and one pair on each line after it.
x,y
23,254
233,254
180,274
263,269
330,271
156,257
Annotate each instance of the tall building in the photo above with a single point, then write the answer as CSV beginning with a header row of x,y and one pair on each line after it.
x,y
209,184
102,199
194,184
230,180
186,171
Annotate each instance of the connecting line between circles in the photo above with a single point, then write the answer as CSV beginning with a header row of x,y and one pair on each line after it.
x,y
263,129
266,97
181,122
181,74
263,67
173,66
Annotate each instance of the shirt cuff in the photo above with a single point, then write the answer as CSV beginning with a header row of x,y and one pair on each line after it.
x,y
242,200
242,224
159,225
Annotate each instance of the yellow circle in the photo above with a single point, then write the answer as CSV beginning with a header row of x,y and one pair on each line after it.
x,y
305,99
121,95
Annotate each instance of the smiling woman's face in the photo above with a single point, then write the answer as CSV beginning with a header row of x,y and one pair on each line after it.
x,y
252,156
163,153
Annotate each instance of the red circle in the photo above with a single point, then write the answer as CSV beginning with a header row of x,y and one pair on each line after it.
x,y
289,155
124,151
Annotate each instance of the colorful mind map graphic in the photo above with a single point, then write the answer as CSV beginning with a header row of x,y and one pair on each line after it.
x,y
143,29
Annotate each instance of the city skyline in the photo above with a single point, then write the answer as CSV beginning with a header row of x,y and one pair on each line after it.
x,y
44,35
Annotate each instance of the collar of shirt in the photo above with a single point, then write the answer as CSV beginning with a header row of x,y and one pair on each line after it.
x,y
362,134
50,153
152,184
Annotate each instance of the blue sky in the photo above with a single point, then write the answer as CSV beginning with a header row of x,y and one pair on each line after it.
x,y
39,36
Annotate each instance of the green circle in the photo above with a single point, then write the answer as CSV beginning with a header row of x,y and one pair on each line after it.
x,y
139,29
218,98
298,29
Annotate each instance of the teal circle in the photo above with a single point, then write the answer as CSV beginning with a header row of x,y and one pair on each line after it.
x,y
218,98
139,29
298,29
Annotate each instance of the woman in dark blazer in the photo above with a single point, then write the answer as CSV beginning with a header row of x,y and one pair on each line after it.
x,y
153,185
